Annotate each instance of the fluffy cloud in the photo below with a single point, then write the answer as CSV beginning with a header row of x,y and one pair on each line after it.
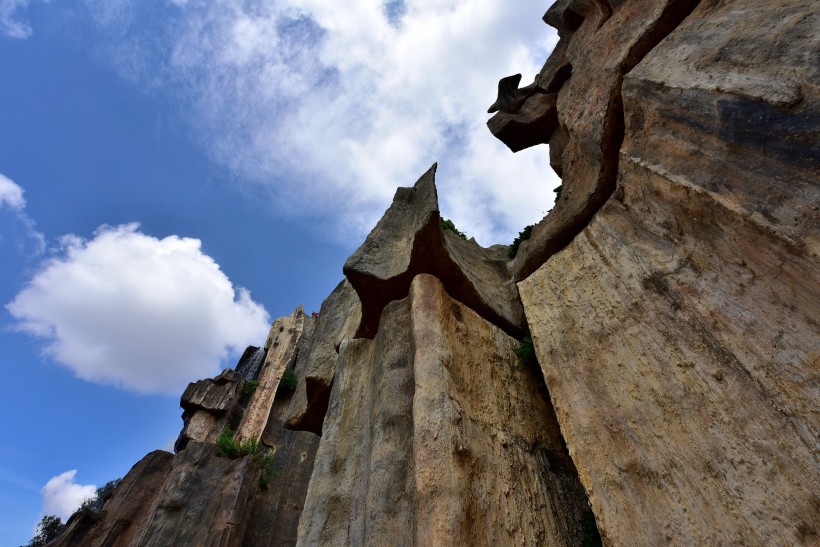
x,y
332,105
62,496
131,310
9,25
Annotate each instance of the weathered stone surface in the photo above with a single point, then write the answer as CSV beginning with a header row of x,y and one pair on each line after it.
x,y
281,345
126,513
207,407
597,47
436,434
680,348
408,241
204,500
678,331
730,102
339,318
191,498
274,517
215,395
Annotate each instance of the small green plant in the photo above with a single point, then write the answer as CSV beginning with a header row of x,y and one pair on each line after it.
x,y
448,225
558,192
526,352
268,472
523,235
249,387
228,447
289,380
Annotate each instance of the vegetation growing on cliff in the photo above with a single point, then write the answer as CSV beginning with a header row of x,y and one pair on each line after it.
x,y
249,387
558,191
526,352
49,528
523,235
289,380
228,447
447,224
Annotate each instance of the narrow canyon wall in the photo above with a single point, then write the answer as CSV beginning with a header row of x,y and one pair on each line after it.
x,y
672,296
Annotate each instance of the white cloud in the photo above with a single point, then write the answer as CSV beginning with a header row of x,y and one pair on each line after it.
x,y
11,195
24,229
332,105
9,26
131,310
62,496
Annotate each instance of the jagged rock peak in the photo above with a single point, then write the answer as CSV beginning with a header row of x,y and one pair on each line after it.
x,y
409,240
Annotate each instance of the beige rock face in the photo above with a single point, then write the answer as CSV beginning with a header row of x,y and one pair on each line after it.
x,y
409,240
127,512
436,434
339,318
208,405
281,344
678,332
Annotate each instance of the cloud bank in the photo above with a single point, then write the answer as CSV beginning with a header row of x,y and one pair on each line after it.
x,y
134,311
327,107
62,496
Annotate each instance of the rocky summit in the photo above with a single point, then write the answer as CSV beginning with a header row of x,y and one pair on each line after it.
x,y
645,370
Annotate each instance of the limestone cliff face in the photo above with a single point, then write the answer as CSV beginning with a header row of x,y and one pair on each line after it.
x,y
672,296
677,327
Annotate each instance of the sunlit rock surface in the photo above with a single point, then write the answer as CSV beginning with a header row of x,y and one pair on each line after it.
x,y
672,295
437,434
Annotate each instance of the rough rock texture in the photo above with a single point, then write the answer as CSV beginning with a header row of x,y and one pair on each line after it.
x,y
672,295
207,405
274,518
437,434
281,345
198,498
127,512
678,332
597,47
339,317
409,240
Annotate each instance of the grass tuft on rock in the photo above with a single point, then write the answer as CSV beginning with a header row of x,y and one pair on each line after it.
x,y
288,381
523,235
228,447
526,353
249,387
447,224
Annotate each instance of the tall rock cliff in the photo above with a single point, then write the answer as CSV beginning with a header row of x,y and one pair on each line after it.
x,y
672,296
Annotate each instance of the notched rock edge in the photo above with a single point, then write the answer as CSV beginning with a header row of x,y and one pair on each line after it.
x,y
579,139
409,241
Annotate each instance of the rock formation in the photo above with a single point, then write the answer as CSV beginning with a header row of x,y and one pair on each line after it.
x,y
672,296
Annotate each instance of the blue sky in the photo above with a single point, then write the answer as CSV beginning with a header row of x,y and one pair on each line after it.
x,y
174,174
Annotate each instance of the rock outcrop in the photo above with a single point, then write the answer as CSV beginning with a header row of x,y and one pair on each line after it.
x,y
677,330
339,318
201,496
671,295
437,434
409,241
